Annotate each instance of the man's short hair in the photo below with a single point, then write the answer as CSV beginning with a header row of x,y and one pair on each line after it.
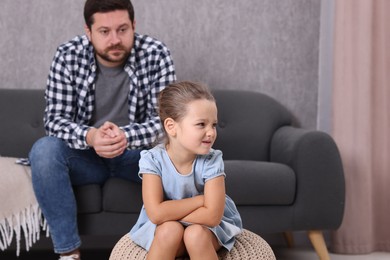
x,y
103,6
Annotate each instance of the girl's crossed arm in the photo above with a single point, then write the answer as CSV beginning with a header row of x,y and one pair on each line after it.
x,y
211,212
160,211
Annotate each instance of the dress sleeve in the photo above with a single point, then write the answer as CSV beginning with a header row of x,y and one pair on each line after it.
x,y
149,164
213,166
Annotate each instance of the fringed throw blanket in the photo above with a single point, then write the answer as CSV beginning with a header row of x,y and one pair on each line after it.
x,y
20,215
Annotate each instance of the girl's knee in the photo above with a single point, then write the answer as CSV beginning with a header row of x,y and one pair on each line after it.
x,y
201,242
170,232
195,234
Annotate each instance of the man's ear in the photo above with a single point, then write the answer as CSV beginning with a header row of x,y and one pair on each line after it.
x,y
170,126
87,32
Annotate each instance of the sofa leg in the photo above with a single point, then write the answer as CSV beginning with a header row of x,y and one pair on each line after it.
x,y
288,236
317,239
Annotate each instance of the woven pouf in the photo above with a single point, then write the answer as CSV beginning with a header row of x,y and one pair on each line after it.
x,y
248,245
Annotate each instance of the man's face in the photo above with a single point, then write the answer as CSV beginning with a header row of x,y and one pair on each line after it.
x,y
112,36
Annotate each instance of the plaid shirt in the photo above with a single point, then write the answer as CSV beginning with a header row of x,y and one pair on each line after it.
x,y
71,88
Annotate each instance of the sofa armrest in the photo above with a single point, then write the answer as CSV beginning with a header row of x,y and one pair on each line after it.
x,y
315,159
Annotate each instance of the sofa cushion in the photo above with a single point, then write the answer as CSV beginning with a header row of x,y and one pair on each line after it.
x,y
260,183
247,183
122,196
89,198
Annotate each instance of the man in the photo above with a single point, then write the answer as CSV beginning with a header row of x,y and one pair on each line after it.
x,y
101,100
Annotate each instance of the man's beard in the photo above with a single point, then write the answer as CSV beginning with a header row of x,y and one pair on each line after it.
x,y
105,55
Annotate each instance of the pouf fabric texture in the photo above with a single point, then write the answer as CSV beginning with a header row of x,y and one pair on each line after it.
x,y
248,245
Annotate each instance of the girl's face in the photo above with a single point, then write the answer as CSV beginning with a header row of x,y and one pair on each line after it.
x,y
196,132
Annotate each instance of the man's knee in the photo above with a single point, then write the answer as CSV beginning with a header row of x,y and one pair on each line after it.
x,y
45,146
44,151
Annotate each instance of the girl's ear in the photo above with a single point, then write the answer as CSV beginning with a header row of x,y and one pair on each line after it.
x,y
170,126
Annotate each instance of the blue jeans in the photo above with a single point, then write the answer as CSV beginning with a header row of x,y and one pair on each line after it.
x,y
56,168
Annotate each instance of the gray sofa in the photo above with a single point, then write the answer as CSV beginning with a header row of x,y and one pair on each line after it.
x,y
281,177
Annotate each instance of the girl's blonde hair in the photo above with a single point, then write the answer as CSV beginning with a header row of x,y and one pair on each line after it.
x,y
173,100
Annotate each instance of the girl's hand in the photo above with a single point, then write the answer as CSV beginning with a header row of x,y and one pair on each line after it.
x,y
160,210
199,200
211,212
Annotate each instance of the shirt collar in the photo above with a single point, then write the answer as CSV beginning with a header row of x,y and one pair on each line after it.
x,y
131,61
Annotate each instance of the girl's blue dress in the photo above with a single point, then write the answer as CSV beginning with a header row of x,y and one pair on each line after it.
x,y
177,186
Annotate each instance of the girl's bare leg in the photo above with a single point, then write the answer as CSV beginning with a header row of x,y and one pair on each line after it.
x,y
201,243
167,242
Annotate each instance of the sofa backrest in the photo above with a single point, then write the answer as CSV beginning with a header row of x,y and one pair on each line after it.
x,y
246,123
21,119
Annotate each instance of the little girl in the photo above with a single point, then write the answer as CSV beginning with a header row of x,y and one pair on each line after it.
x,y
186,210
